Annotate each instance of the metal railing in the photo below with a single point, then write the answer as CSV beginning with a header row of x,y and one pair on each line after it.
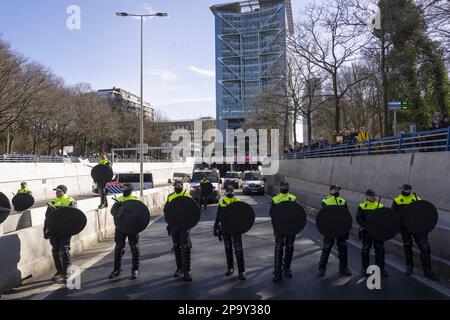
x,y
34,158
424,141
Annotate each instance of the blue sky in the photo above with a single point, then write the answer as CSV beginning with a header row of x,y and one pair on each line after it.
x,y
178,52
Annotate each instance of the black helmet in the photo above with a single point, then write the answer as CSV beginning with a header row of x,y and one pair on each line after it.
x,y
127,187
371,193
284,187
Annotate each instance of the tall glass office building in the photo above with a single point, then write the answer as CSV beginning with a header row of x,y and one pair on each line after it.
x,y
250,55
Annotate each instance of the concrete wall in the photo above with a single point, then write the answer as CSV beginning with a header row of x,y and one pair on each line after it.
x,y
26,252
428,173
76,176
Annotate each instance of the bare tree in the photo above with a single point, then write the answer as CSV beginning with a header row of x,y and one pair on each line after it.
x,y
329,37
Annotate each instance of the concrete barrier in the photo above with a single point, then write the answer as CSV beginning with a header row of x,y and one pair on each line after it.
x,y
42,178
25,252
426,172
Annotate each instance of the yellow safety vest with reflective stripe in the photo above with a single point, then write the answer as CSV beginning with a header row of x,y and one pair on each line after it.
x,y
401,199
104,161
367,205
63,201
175,195
122,199
333,201
282,197
204,181
23,190
227,201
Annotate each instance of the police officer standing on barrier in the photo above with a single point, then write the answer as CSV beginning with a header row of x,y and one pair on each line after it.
x,y
334,199
60,245
24,189
120,238
181,239
230,240
281,241
102,187
364,210
400,203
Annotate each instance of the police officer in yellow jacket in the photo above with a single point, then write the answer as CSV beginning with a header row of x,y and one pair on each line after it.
x,y
399,204
365,209
334,199
281,241
230,240
181,239
203,195
24,188
120,239
102,188
60,245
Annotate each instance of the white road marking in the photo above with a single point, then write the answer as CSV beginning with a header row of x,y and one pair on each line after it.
x,y
47,291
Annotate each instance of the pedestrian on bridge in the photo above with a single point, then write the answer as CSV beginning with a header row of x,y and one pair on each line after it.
x,y
230,240
282,241
24,189
181,239
399,204
120,238
334,199
365,209
60,245
102,187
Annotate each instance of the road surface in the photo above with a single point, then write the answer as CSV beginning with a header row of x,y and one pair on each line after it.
x,y
209,265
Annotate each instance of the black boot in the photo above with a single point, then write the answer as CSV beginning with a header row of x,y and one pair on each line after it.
x,y
118,253
186,262
288,254
134,262
343,261
178,260
379,260
230,262
240,262
324,260
365,261
58,265
278,262
65,255
135,258
425,257
409,260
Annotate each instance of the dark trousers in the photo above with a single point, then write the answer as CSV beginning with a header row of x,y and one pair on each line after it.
x,y
230,241
60,253
103,198
182,249
424,247
342,251
367,243
284,250
133,241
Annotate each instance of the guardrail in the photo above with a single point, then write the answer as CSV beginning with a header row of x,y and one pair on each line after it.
x,y
424,141
59,159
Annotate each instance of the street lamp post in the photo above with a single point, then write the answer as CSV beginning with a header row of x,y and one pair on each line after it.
x,y
141,125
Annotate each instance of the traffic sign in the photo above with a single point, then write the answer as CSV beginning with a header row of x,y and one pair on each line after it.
x,y
144,147
398,105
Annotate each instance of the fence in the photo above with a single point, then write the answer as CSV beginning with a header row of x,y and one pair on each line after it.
x,y
33,158
424,141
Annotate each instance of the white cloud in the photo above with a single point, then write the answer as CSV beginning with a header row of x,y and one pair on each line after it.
x,y
203,72
164,75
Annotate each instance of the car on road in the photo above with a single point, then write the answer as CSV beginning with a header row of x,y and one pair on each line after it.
x,y
119,179
253,183
213,176
233,179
